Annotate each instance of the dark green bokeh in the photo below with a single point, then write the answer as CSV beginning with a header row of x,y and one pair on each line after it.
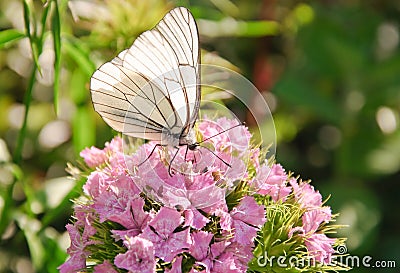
x,y
329,69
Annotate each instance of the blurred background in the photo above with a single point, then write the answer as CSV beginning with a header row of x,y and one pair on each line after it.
x,y
329,70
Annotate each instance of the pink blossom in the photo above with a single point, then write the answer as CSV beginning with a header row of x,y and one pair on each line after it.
x,y
114,204
160,231
227,256
225,219
272,182
226,263
139,258
115,145
105,267
242,253
93,156
194,218
224,257
150,177
248,211
97,182
191,192
117,164
74,264
247,216
312,219
200,246
217,207
305,194
195,191
136,220
320,247
237,138
229,174
244,233
77,251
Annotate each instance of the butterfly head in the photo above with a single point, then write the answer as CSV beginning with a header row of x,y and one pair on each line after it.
x,y
188,138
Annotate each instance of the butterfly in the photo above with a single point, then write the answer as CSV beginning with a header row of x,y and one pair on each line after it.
x,y
152,89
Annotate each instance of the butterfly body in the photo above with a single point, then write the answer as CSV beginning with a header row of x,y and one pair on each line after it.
x,y
178,139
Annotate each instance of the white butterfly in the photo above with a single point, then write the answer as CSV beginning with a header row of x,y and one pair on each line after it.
x,y
152,89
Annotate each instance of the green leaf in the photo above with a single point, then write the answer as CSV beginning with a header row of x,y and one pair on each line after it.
x,y
56,31
76,51
9,36
227,7
17,156
32,38
78,87
43,22
8,206
29,227
83,129
59,210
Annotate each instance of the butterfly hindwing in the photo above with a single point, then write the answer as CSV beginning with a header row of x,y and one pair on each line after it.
x,y
130,103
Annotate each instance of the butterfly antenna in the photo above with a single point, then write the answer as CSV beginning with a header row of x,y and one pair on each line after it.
x,y
226,163
219,133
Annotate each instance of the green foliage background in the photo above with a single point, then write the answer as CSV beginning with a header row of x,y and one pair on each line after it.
x,y
330,71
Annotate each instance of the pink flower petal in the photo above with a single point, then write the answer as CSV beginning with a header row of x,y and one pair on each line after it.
x,y
105,267
200,246
160,231
320,247
313,218
93,156
249,212
305,194
139,258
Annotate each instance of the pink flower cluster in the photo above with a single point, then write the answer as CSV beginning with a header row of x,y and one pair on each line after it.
x,y
276,183
318,244
182,226
183,220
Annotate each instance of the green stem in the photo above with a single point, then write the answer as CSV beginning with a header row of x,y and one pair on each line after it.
x,y
8,203
17,157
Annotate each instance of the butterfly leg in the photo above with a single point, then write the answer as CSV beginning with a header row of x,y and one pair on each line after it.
x,y
151,153
172,160
194,157
187,148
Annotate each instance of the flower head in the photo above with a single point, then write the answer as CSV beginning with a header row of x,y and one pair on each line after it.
x,y
204,210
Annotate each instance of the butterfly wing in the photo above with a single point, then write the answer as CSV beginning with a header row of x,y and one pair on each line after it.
x,y
130,103
170,54
154,85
